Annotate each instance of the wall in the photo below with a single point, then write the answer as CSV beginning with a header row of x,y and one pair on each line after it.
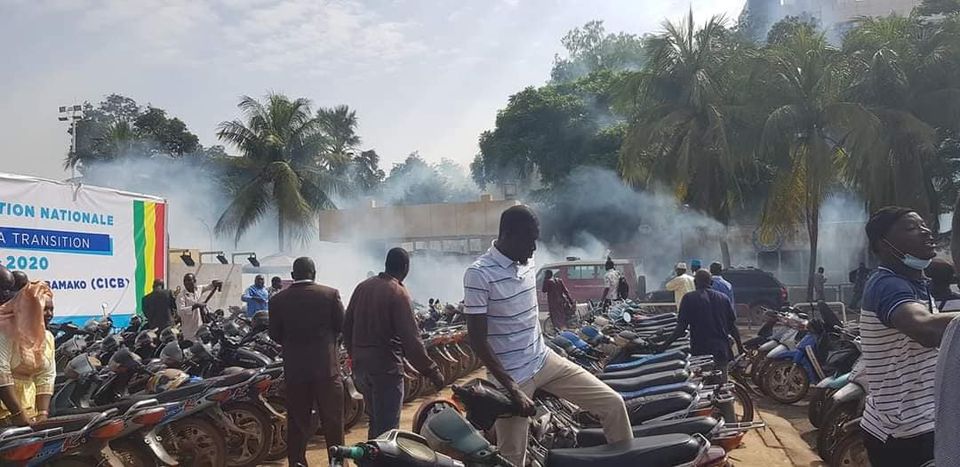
x,y
456,227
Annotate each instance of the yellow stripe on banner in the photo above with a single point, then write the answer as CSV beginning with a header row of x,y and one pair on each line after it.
x,y
150,248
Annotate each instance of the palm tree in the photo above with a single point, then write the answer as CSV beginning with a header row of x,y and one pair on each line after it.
x,y
810,134
280,143
339,125
907,79
681,132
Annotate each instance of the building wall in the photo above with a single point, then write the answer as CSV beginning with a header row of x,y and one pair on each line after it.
x,y
834,15
454,228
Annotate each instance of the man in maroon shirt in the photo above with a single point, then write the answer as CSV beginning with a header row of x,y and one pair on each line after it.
x,y
379,331
559,303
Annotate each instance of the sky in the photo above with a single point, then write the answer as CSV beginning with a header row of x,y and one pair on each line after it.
x,y
423,75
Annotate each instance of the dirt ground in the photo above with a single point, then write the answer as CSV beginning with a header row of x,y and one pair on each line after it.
x,y
785,442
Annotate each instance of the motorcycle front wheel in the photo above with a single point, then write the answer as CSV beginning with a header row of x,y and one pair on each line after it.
x,y
850,451
194,441
249,447
278,448
132,454
352,411
743,403
786,382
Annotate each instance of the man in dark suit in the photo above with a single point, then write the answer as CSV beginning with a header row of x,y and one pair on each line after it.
x,y
159,306
306,319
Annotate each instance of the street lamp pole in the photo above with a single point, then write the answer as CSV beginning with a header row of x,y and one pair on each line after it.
x,y
72,114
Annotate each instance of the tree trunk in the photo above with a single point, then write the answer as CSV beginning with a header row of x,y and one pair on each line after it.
x,y
725,251
281,234
813,231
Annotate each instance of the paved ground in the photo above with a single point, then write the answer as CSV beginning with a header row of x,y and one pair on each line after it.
x,y
786,442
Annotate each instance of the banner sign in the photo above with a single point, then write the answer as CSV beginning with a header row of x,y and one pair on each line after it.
x,y
93,245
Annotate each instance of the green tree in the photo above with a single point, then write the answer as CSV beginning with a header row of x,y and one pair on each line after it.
x,y
118,127
170,135
547,132
339,126
682,130
279,141
906,76
783,30
366,171
937,7
810,134
591,49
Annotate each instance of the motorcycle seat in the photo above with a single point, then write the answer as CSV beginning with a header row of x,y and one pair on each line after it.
x,y
67,422
646,360
643,409
232,379
645,370
661,318
646,381
653,450
686,386
686,426
122,406
176,394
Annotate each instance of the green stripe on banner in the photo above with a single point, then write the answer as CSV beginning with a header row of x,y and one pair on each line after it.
x,y
139,245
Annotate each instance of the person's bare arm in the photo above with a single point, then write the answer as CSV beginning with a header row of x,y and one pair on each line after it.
x,y
916,321
477,333
7,394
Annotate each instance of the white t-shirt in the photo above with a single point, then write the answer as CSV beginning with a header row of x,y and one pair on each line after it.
x,y
506,292
680,285
611,280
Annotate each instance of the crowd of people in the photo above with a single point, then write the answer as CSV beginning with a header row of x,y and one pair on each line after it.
x,y
908,331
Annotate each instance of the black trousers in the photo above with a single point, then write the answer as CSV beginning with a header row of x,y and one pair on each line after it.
x,y
899,452
308,403
383,395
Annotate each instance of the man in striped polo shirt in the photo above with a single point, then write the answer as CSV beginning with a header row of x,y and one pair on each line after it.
x,y
500,298
900,330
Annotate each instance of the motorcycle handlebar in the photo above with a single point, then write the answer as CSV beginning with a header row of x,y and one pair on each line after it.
x,y
357,452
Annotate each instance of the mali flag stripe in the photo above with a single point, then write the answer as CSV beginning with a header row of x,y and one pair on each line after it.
x,y
149,234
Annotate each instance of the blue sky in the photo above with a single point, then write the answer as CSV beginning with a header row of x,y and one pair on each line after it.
x,y
423,75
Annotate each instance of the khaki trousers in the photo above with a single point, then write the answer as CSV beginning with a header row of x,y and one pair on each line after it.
x,y
566,380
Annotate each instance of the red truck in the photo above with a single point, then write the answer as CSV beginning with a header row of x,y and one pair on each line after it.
x,y
584,279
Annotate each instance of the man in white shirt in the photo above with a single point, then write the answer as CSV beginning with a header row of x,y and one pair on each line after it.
x,y
191,304
681,285
610,282
500,297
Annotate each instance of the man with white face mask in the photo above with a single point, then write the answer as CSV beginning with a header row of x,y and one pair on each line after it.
x,y
900,331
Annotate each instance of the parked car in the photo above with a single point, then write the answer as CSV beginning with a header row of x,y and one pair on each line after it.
x,y
753,289
584,279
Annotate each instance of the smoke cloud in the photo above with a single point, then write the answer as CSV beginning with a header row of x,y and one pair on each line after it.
x,y
592,214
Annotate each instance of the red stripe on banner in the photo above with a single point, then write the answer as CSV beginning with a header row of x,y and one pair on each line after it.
x,y
160,253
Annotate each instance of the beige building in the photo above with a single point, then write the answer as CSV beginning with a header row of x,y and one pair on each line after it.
x,y
836,16
455,228
840,11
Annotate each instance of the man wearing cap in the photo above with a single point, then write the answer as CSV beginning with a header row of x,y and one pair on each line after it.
x,y
900,330
681,285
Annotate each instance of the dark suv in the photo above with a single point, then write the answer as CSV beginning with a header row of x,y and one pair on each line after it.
x,y
752,289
